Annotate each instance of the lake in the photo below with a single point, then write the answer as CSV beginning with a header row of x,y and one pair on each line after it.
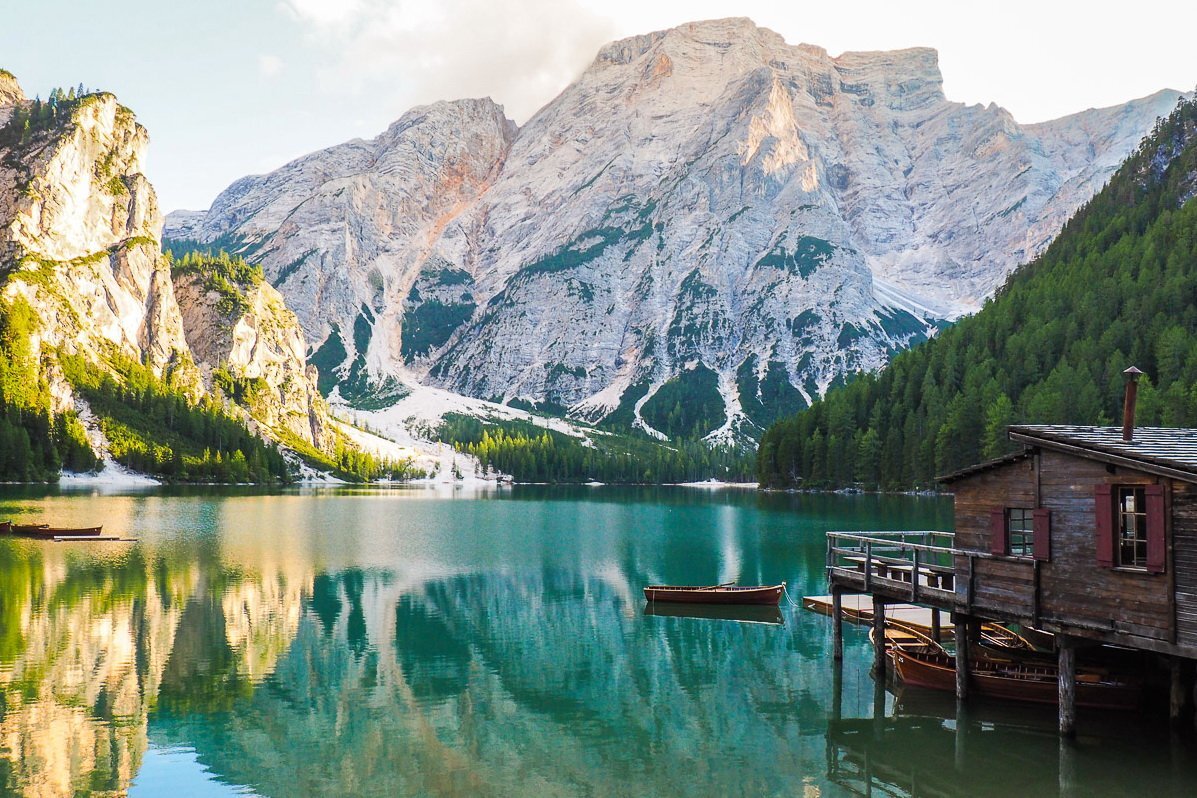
x,y
439,642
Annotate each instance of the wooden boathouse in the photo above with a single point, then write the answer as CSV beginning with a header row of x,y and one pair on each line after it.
x,y
1088,533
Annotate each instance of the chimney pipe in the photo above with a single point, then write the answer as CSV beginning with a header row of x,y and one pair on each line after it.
x,y
1128,404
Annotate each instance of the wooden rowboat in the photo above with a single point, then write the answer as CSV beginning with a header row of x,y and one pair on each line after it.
x,y
919,662
47,531
768,595
26,529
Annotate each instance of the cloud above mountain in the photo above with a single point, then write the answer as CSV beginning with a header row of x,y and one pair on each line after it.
x,y
414,52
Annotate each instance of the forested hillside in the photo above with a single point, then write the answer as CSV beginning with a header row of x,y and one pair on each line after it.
x,y
1117,287
533,453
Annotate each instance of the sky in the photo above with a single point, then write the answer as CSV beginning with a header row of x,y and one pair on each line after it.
x,y
235,87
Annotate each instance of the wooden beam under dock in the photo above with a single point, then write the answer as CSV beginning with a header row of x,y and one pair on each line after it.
x,y
1067,683
879,637
837,624
962,641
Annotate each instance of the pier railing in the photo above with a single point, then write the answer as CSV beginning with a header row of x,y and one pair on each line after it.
x,y
919,566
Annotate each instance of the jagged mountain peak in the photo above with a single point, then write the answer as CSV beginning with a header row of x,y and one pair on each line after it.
x,y
736,46
707,211
445,111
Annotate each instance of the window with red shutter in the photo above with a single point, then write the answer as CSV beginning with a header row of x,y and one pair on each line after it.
x,y
1157,515
1103,499
997,531
1043,528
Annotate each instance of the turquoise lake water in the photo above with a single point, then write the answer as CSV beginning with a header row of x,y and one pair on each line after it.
x,y
425,642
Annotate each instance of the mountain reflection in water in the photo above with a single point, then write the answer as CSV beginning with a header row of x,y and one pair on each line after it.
x,y
418,644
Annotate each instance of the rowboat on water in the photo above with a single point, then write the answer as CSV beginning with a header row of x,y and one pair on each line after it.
x,y
24,529
729,593
47,531
919,661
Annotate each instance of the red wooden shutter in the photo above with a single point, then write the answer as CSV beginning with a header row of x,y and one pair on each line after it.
x,y
1104,507
997,531
1043,532
1156,524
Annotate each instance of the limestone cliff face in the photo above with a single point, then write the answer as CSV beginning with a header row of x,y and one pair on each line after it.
x,y
344,233
80,241
79,234
257,342
10,95
707,204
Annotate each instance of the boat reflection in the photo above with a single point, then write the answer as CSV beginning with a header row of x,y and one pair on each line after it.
x,y
716,612
932,745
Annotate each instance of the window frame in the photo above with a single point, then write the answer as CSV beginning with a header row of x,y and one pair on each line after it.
x,y
1025,535
1138,514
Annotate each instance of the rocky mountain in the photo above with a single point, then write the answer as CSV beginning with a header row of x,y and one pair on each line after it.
x,y
704,231
81,256
250,347
1114,288
79,233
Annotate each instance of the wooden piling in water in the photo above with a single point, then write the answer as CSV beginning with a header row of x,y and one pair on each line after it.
x,y
837,623
879,637
1067,683
962,642
1179,695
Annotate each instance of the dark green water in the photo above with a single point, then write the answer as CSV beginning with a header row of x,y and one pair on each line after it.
x,y
409,642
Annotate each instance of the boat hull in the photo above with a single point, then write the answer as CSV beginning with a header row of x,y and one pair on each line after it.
x,y
760,595
1037,685
43,531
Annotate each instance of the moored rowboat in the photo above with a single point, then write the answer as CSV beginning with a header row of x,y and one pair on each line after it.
x,y
768,595
919,662
47,531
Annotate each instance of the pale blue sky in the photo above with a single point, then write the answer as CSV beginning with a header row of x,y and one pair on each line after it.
x,y
233,87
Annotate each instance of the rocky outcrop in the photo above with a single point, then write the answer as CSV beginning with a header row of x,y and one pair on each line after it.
x,y
707,210
79,235
80,241
251,349
10,95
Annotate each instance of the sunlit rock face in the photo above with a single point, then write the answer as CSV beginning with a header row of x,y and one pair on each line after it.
x,y
79,230
80,242
707,204
258,340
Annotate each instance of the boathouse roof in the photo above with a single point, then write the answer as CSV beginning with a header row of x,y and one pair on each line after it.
x,y
1170,452
985,466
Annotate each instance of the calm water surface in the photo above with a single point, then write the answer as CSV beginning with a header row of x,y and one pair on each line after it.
x,y
410,642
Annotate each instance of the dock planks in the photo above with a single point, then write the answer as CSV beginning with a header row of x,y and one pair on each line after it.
x,y
858,608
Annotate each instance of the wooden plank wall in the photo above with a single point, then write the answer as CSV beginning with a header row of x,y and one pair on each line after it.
x,y
1006,585
1184,561
1075,590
